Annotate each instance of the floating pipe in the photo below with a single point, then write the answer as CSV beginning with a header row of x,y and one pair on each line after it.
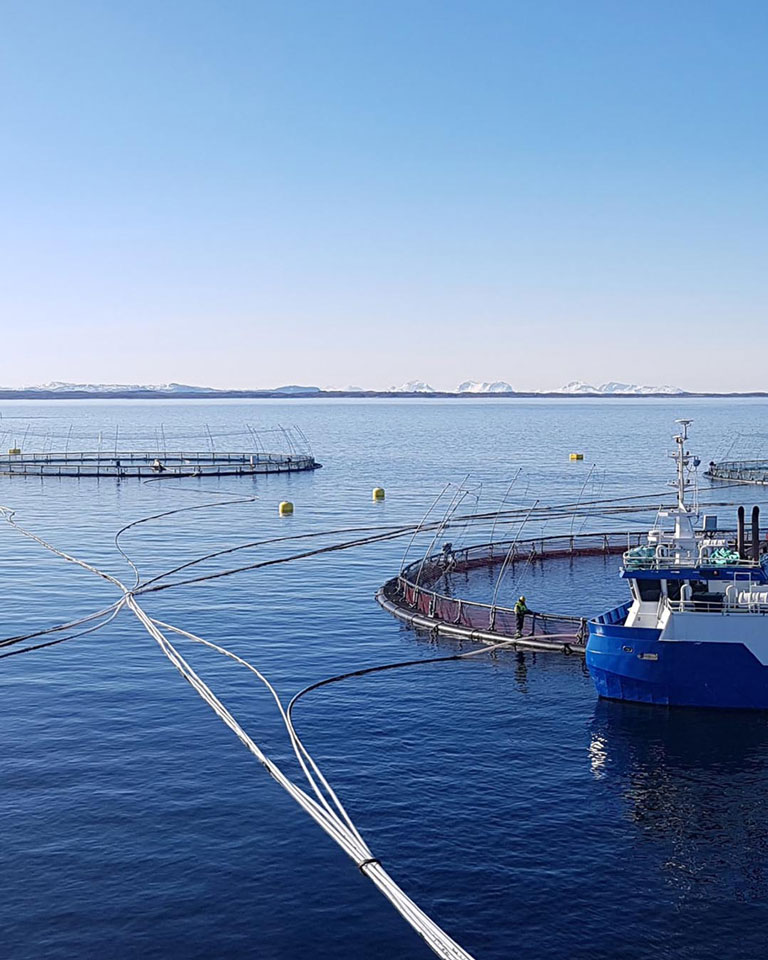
x,y
740,533
756,533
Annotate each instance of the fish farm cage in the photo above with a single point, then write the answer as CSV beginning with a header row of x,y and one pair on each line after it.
x,y
282,450
739,471
156,464
414,597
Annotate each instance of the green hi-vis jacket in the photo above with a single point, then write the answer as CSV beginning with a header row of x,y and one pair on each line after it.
x,y
520,607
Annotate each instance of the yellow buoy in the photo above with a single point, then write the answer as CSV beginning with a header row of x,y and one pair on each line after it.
x,y
577,456
285,508
14,451
378,493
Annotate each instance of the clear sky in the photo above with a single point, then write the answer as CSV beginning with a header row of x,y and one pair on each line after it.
x,y
248,193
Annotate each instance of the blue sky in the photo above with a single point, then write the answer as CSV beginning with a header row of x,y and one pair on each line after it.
x,y
253,193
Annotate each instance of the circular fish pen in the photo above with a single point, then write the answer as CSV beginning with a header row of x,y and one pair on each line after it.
x,y
417,596
247,451
152,464
739,471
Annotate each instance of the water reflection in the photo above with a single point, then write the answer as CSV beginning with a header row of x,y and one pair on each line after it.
x,y
695,783
521,670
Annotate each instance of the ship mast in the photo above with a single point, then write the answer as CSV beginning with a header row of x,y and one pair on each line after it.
x,y
684,534
682,457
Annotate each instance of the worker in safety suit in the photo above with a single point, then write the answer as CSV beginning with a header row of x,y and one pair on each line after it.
x,y
520,611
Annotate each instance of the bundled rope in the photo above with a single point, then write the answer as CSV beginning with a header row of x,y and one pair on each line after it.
x,y
327,811
325,808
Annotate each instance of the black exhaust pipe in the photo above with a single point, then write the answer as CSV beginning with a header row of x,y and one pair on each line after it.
x,y
740,534
756,533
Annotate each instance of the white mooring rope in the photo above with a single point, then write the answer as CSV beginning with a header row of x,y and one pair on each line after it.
x,y
325,808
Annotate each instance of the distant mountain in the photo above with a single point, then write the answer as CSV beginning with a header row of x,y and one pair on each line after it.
x,y
293,389
58,386
413,386
613,386
484,386
169,389
577,386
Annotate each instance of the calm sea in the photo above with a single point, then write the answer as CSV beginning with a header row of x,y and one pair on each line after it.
x,y
528,818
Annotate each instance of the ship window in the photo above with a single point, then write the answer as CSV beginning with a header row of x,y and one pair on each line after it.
x,y
650,590
673,589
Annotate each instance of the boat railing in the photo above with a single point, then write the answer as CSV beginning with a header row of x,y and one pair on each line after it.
x,y
726,607
667,558
687,563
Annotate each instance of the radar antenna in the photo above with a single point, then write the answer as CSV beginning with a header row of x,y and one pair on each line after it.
x,y
682,458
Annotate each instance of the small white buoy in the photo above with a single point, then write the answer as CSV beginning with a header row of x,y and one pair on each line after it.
x,y
285,508
378,493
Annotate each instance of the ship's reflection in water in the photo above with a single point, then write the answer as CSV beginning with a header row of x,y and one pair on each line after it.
x,y
694,782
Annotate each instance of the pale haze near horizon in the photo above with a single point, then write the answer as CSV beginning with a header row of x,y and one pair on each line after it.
x,y
249,194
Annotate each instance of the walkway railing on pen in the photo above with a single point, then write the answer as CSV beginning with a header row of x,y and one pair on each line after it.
x,y
157,464
739,471
418,585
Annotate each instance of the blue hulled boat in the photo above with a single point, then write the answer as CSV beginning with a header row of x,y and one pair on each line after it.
x,y
695,631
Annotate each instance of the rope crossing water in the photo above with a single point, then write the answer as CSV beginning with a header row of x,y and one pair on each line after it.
x,y
324,807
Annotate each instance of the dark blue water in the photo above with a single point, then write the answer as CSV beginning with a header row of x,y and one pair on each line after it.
x,y
524,815
581,586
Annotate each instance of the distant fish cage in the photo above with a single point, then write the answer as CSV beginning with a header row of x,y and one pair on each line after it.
x,y
739,471
154,464
268,450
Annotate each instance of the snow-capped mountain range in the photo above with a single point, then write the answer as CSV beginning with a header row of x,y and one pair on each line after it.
x,y
484,386
575,386
169,389
579,387
59,386
413,386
